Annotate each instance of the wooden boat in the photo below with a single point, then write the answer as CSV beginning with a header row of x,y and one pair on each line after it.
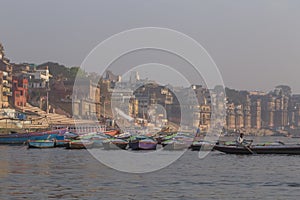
x,y
112,132
80,144
115,144
98,141
41,143
175,145
260,149
60,141
147,144
21,138
142,143
202,145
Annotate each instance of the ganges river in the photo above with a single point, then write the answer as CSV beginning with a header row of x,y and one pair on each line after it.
x,y
74,174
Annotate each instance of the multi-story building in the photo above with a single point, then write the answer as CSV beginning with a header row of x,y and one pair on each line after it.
x,y
205,117
247,113
20,91
256,114
239,117
86,99
6,82
230,116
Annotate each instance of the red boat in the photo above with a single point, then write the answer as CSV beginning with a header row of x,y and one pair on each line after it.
x,y
112,132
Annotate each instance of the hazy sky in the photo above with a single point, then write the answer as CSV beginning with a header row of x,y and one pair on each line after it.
x,y
255,43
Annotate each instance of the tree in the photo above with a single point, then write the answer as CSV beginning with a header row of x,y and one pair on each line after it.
x,y
77,72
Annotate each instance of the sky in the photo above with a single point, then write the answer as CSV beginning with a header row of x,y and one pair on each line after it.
x,y
255,44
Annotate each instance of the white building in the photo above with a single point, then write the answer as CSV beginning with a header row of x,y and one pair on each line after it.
x,y
39,78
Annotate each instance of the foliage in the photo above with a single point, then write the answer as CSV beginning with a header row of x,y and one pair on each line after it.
x,y
236,97
61,71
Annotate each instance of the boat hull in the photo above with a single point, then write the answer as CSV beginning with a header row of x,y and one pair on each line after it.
x,y
147,145
175,146
80,145
142,145
284,149
21,138
41,144
114,145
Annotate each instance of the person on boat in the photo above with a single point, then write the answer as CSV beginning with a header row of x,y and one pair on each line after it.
x,y
240,141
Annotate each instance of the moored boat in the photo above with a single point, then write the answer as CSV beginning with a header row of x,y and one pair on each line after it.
x,y
80,144
260,149
175,145
111,132
147,144
41,143
60,141
142,142
115,144
21,138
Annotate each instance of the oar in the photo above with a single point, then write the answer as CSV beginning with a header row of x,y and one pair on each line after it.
x,y
246,147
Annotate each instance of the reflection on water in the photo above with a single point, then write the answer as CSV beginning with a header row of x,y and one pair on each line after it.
x,y
75,174
4,162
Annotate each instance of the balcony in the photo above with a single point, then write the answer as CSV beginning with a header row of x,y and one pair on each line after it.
x,y
7,93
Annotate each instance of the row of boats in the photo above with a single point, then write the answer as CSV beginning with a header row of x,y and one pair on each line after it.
x,y
175,141
110,140
106,139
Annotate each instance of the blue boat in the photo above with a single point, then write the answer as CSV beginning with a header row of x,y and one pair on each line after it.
x,y
22,138
14,138
41,143
60,141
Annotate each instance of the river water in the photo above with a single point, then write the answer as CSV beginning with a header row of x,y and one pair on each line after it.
x,y
75,174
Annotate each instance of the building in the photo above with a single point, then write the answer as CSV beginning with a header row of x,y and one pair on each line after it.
x,y
5,83
20,91
39,78
205,117
239,117
85,99
256,114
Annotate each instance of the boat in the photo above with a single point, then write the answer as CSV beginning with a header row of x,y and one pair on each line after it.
x,y
260,149
147,144
41,144
142,143
80,144
22,138
202,145
98,141
61,141
175,145
115,144
112,132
